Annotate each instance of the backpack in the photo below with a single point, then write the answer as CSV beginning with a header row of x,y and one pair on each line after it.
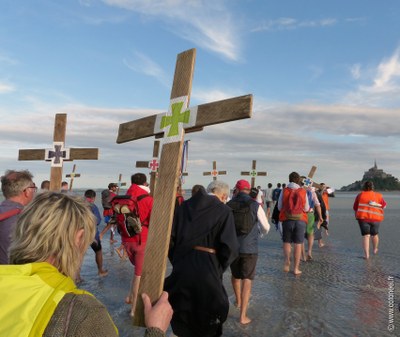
x,y
294,206
244,220
126,214
275,194
9,214
105,196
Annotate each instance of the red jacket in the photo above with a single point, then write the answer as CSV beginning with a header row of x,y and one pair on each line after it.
x,y
145,206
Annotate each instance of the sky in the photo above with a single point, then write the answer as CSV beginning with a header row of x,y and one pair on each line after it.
x,y
324,75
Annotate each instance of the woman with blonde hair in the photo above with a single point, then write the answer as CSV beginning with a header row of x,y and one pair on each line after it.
x,y
39,296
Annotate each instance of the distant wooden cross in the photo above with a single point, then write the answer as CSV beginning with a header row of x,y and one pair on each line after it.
x,y
253,173
58,154
120,183
174,123
152,164
72,176
214,173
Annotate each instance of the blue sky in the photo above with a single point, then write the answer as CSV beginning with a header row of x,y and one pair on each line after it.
x,y
325,78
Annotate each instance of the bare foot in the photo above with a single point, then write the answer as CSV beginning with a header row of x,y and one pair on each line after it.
x,y
236,305
128,300
321,244
376,251
309,258
245,321
286,267
297,272
103,272
366,257
113,241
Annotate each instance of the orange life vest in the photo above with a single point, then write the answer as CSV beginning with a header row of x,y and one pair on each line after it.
x,y
283,215
325,198
368,206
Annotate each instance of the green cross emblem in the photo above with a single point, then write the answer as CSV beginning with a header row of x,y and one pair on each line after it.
x,y
253,173
176,118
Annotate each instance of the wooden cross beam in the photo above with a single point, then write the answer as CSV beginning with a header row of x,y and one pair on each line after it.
x,y
308,180
58,154
120,184
253,173
214,173
72,176
173,124
152,164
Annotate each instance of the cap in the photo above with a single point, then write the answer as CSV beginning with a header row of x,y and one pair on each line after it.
x,y
111,185
243,185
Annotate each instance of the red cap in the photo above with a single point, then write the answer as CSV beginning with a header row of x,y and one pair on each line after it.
x,y
243,185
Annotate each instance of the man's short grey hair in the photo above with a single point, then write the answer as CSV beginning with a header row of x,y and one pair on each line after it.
x,y
217,187
14,182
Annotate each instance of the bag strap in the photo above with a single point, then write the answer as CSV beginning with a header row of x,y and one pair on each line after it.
x,y
9,214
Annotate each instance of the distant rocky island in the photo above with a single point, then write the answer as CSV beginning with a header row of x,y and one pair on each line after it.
x,y
382,181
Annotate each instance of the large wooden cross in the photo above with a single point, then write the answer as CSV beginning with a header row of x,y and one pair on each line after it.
x,y
308,180
72,175
153,165
58,154
214,173
253,173
178,118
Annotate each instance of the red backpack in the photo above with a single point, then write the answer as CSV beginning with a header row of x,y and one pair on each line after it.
x,y
126,214
294,206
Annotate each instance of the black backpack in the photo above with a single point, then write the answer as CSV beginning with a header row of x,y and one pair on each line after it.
x,y
244,219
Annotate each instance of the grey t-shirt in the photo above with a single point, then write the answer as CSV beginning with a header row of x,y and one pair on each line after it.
x,y
7,226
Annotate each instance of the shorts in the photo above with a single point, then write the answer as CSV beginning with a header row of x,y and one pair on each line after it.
x,y
310,223
244,267
369,227
268,204
293,231
107,219
96,245
135,253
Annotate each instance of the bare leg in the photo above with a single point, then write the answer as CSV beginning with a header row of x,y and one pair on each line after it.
x,y
236,285
104,231
99,262
366,245
303,252
286,252
297,255
246,291
375,243
133,294
310,239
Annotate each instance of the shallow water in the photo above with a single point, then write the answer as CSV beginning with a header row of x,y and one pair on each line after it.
x,y
338,294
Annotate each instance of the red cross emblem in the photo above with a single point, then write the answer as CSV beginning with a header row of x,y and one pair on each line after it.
x,y
214,173
154,165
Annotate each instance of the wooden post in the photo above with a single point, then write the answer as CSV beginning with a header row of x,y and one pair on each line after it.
x,y
58,154
173,125
72,176
253,173
120,184
214,173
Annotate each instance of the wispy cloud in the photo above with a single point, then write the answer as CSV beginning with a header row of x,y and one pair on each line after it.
x,y
356,71
209,25
143,64
6,88
382,85
292,23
